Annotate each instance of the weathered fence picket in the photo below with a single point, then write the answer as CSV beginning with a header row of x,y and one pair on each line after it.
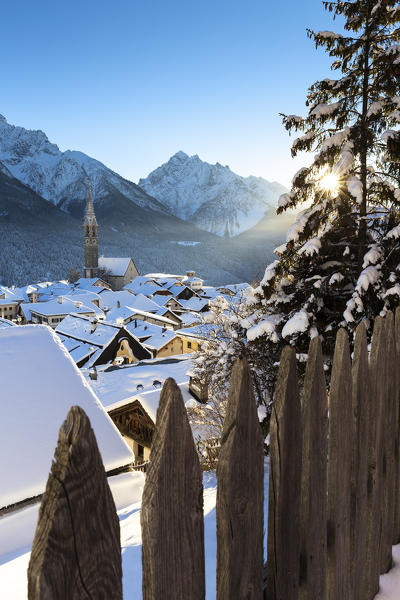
x,y
339,472
396,374
389,425
172,507
76,552
362,413
334,490
377,379
283,563
313,513
240,494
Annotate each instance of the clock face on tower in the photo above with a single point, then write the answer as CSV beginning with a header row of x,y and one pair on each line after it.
x,y
87,241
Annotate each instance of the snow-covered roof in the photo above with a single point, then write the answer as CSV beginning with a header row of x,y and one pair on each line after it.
x,y
142,329
84,329
235,288
141,302
116,266
151,399
160,339
136,284
194,303
197,331
37,394
63,307
5,323
7,302
89,284
177,289
117,386
158,318
188,318
153,289
164,276
162,300
208,292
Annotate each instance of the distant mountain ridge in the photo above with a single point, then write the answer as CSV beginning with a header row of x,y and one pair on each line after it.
x,y
62,177
211,196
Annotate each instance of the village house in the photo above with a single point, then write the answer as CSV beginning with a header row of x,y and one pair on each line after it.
x,y
38,399
131,397
54,311
91,342
164,343
192,339
141,315
195,283
88,283
9,309
120,271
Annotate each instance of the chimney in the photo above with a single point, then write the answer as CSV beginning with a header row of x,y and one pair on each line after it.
x,y
93,325
118,304
59,300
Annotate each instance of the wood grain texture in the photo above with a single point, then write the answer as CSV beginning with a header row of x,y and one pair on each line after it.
x,y
396,525
172,507
313,514
377,391
284,484
339,472
76,551
240,494
389,427
363,411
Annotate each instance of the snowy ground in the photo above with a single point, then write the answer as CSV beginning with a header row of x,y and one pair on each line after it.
x,y
16,533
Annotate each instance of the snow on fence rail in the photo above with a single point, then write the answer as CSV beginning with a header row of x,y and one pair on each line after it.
x,y
334,505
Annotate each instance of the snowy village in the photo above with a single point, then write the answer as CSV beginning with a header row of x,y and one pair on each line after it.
x,y
200,371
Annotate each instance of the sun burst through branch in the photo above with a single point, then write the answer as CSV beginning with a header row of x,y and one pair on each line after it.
x,y
329,182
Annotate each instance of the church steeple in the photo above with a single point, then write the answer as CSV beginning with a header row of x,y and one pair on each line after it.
x,y
90,238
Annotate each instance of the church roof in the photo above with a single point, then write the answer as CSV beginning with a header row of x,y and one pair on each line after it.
x,y
116,266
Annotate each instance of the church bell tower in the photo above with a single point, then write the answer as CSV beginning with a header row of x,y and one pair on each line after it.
x,y
90,239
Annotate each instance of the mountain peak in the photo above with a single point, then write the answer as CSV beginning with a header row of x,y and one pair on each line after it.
x,y
211,196
180,155
2,118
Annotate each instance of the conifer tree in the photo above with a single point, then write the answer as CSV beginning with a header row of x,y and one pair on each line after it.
x,y
341,261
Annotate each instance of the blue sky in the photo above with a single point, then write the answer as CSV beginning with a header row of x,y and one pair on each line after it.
x,y
131,82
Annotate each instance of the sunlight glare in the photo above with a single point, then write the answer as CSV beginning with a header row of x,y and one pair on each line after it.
x,y
330,183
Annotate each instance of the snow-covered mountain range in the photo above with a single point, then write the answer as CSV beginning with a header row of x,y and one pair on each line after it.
x,y
43,195
212,196
62,177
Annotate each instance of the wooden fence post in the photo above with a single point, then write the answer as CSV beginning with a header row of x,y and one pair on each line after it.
x,y
377,391
172,507
396,533
339,472
284,484
314,478
362,413
240,494
76,552
390,428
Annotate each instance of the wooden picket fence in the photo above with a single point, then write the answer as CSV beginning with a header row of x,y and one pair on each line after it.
x,y
334,505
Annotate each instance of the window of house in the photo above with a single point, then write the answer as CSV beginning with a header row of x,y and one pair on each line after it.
x,y
189,344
